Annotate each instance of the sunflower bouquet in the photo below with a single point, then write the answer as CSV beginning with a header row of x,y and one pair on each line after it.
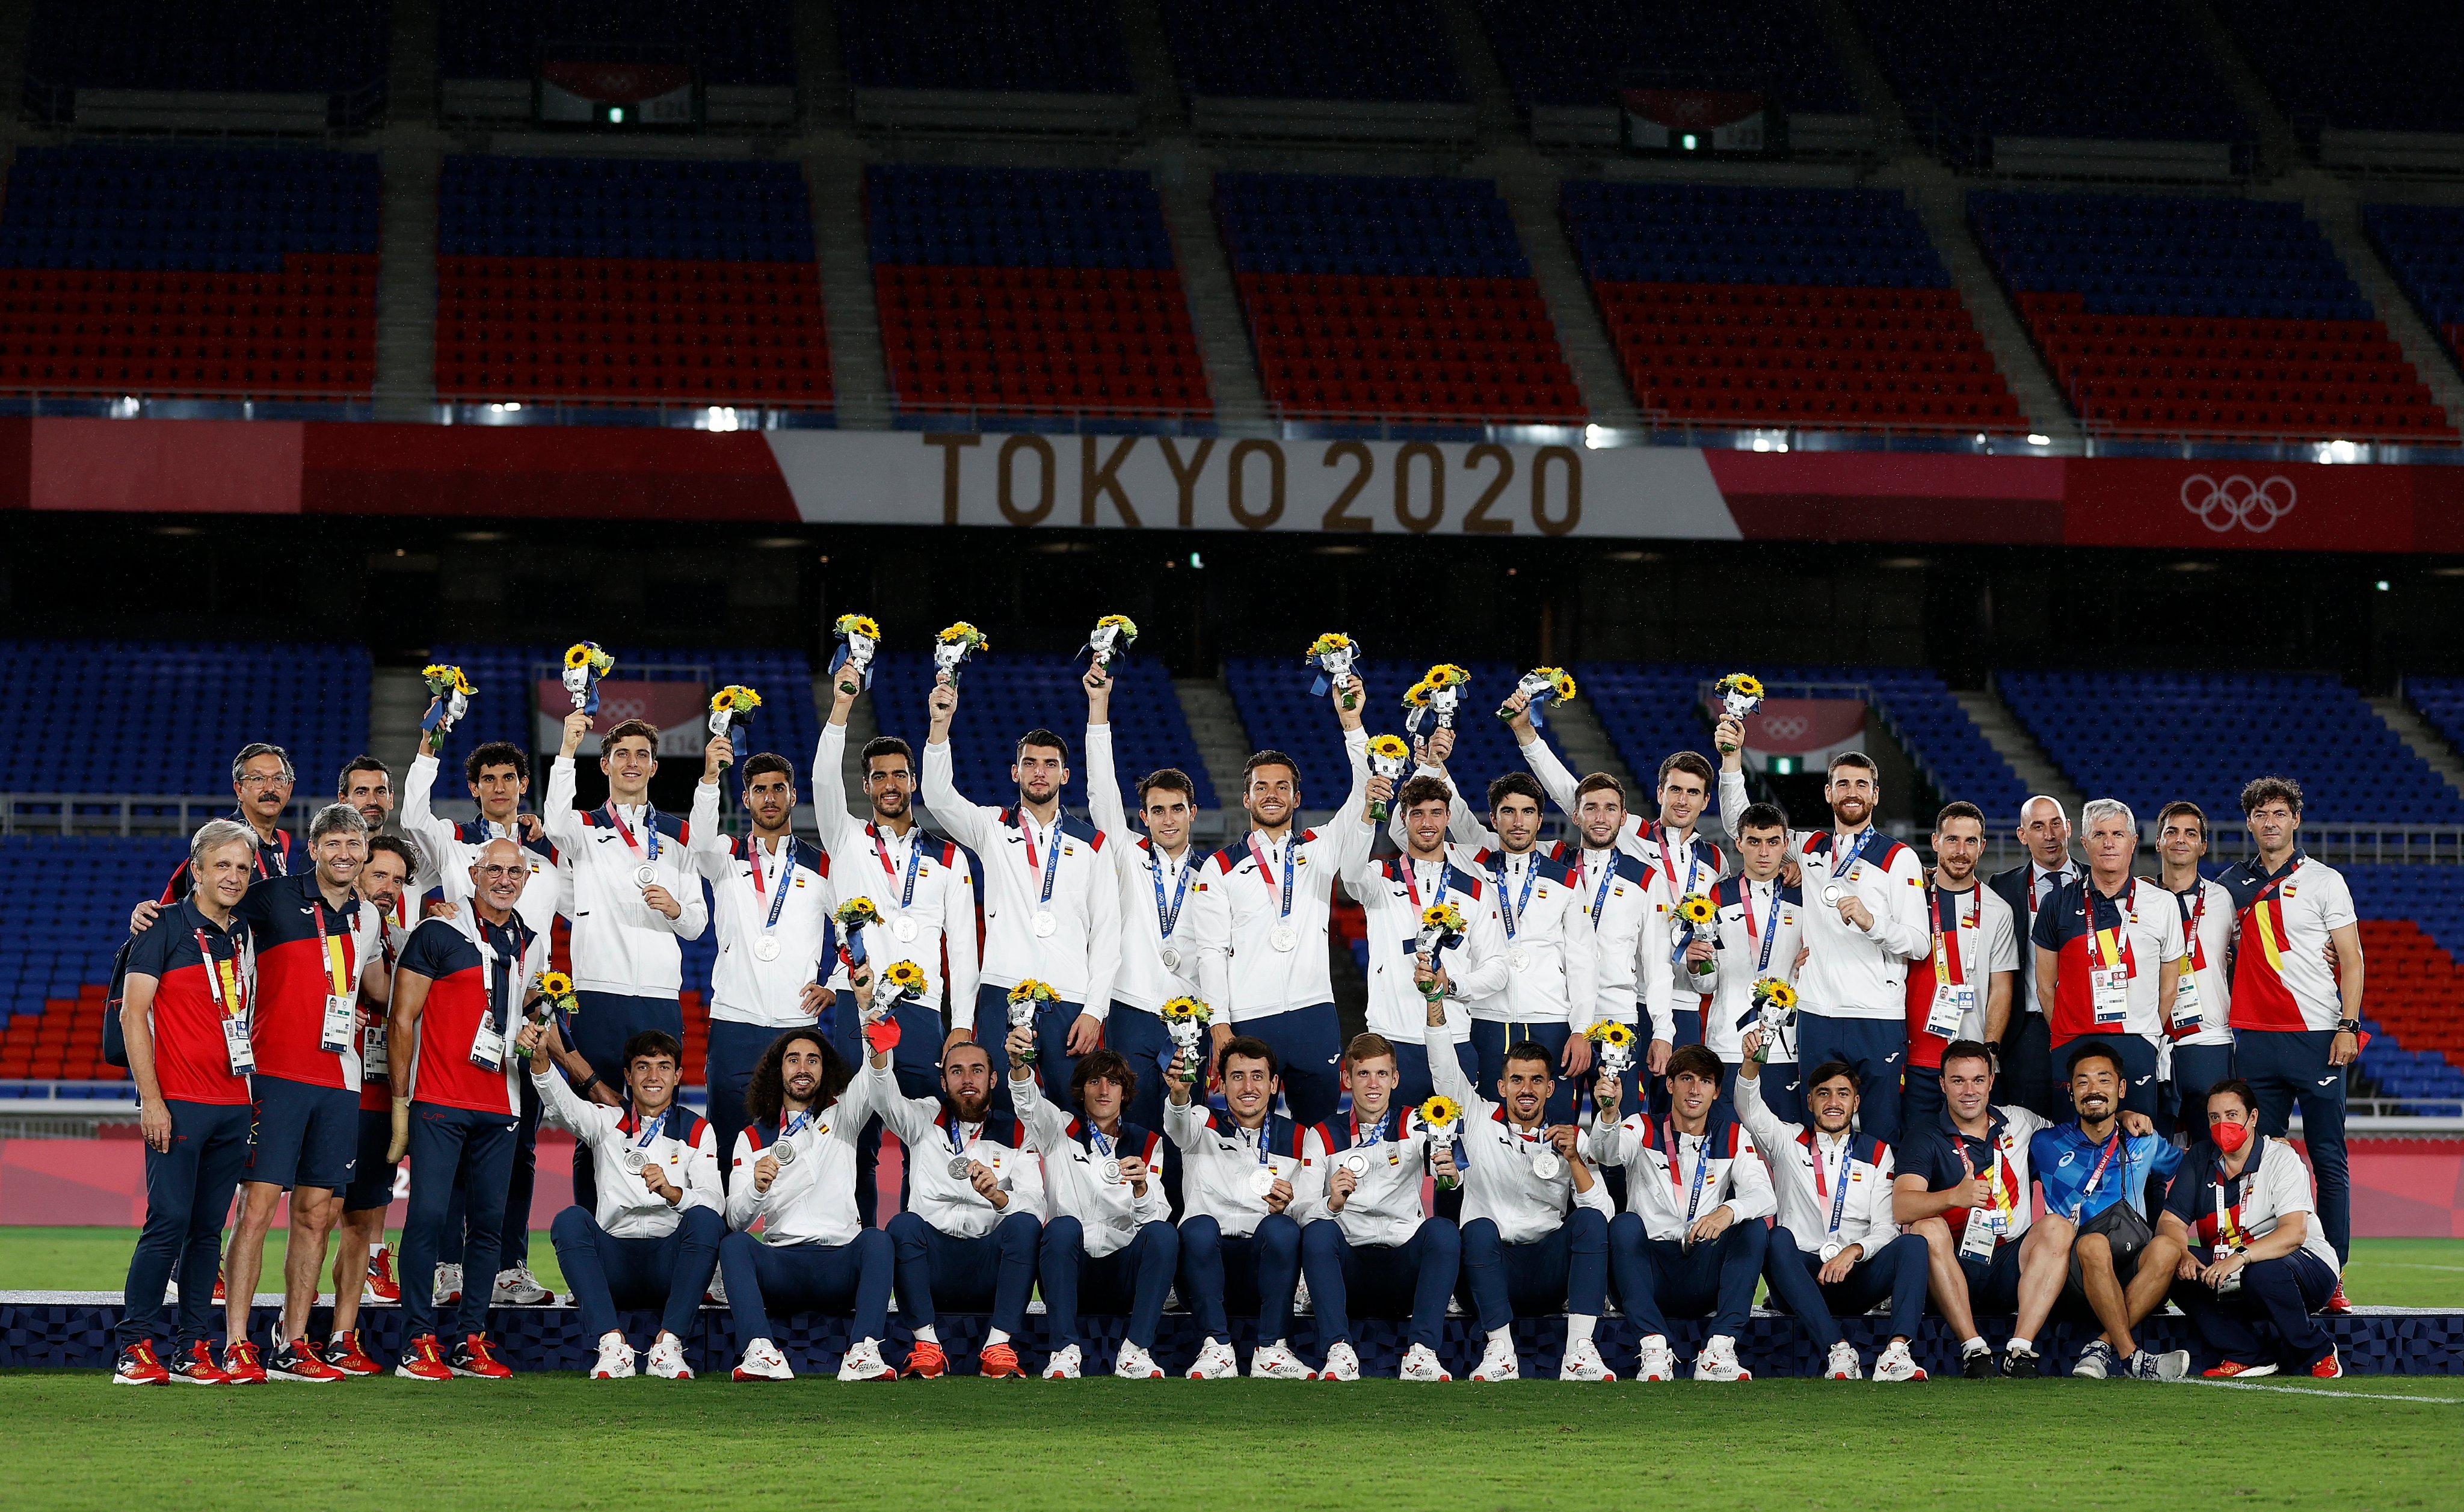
x,y
1695,913
1775,1003
858,638
1024,998
1440,690
1441,925
1741,694
854,915
585,663
1442,1116
1110,641
449,692
554,994
731,706
1615,1042
955,644
1542,684
1333,652
904,981
1388,758
1184,1018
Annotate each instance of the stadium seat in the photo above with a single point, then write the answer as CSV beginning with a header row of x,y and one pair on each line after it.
x,y
2370,65
2423,246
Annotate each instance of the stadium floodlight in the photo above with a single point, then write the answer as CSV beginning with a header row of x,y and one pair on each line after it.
x,y
615,115
1198,561
2038,438
2339,450
718,417
2382,586
1594,437
1691,140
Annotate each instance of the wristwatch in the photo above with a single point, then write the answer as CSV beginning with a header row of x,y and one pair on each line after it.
x,y
2348,1026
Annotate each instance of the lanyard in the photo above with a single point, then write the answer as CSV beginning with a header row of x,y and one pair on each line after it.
x,y
1600,893
915,859
1376,1131
332,952
650,1129
2112,1148
1769,934
1509,913
2229,1230
222,980
2198,911
1096,1137
1702,1164
1051,868
1266,874
650,829
1668,867
2098,941
1842,866
1839,1197
500,984
797,1128
1998,1174
1949,966
1411,884
1265,1138
786,873
281,851
958,1137
1168,916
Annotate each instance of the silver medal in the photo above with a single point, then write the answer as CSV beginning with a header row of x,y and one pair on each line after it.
x,y
1284,938
1262,1181
1519,958
1546,1165
1832,893
636,1162
958,1165
1831,1249
1171,957
784,1153
1045,922
1110,1171
904,928
766,948
645,875
1356,1163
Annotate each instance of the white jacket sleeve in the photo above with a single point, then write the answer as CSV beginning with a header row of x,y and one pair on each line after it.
x,y
1047,1130
694,915
1874,1226
1655,973
1104,803
743,1203
561,1105
1615,1144
1103,936
1448,1079
962,820
433,835
1184,1123
1461,823
1582,968
558,816
709,855
1901,925
959,939
831,820
1354,837
911,1119
1750,1196
1480,960
1554,779
1763,1125
1209,922
1732,800
701,1189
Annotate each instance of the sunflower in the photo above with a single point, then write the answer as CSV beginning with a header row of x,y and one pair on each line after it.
x,y
1562,686
1608,1031
1122,622
556,988
577,654
735,697
586,653
1417,696
858,910
1442,916
1697,909
443,679
1183,1010
856,625
1774,992
1445,674
1745,683
1439,1111
1390,747
905,978
723,701
1029,990
967,635
1331,641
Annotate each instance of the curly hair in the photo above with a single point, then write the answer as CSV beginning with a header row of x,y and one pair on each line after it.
x,y
765,1095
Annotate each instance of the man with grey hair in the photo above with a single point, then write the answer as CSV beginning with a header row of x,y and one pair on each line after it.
x,y
2025,1076
2108,948
261,778
315,944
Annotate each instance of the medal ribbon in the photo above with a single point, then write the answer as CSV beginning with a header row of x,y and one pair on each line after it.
x,y
1267,873
1600,893
2198,911
1949,964
1168,918
1668,867
1265,1133
1702,1164
786,871
1769,934
915,859
650,829
1509,913
1051,868
1838,1199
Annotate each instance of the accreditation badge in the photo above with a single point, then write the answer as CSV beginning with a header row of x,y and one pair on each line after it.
x,y
2109,989
488,1047
1952,1003
242,1055
341,1023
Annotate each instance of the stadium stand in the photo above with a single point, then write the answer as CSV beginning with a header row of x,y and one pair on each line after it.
x,y
1579,52
1007,694
295,46
2376,65
1031,291
164,718
2187,315
1348,49
611,281
2440,700
1391,296
1036,46
1763,306
2150,738
70,911
2424,247
743,42
2050,68
167,271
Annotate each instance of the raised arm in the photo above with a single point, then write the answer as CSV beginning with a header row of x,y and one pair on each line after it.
x,y
832,819
1554,779
558,1103
1209,921
1354,836
1480,969
1582,970
557,813
1446,1072
433,835
710,854
1103,939
1901,925
959,818
1104,803
1770,1132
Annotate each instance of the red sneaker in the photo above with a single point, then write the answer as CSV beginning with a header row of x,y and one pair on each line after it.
x,y
2228,1370
2330,1369
219,1298
139,1365
2336,1301
998,1360
240,1364
927,1360
344,1354
472,1357
423,1361
197,1368
299,1362
380,1285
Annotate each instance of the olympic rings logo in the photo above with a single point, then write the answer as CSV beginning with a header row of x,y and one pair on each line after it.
x,y
2222,504
1785,727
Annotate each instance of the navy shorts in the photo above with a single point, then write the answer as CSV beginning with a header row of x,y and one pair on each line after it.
x,y
301,1135
372,1178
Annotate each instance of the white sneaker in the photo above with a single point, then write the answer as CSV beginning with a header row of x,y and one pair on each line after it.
x,y
716,1295
1497,1362
1455,1308
1134,1364
1342,1363
448,1285
863,1362
1063,1366
1420,1364
1844,1365
668,1358
1215,1362
517,1287
1583,1363
1897,1364
1302,1306
1273,1362
1718,1361
763,1362
2096,1362
2146,1365
1035,1306
1659,1362
615,1358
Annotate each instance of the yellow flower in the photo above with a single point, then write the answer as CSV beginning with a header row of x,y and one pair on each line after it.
x,y
1563,685
1745,683
1183,1010
722,700
1774,992
586,653
1440,1110
1696,909
444,678
1122,622
1416,696
735,695
1331,641
856,625
858,909
1608,1031
578,654
1442,916
1390,747
1445,674
905,978
1029,990
964,634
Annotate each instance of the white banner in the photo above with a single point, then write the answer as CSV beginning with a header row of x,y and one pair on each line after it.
x,y
1181,483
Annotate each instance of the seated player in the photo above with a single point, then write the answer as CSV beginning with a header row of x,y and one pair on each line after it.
x,y
1108,1229
1376,1247
1691,1241
2243,1209
794,1169
1837,1249
1963,1187
975,1199
1245,1196
1535,1233
653,1241
2095,1171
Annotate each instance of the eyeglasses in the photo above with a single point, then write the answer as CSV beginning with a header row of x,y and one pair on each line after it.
x,y
504,871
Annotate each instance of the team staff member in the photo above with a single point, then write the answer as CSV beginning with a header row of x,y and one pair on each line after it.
x,y
1261,914
2027,1054
314,954
1246,1189
1154,873
1394,893
2107,952
366,785
1960,988
1377,1244
772,902
653,1237
361,1270
1866,920
923,888
2243,1212
1963,1187
1108,1227
2297,1020
459,991
794,1172
184,1017
1691,1241
1758,936
1835,1245
1052,906
2095,1171
261,780
2200,1017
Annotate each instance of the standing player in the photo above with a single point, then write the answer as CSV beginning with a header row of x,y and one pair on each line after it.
x,y
363,1273
1262,916
1551,955
1960,988
2027,1072
1963,1187
1757,937
772,904
1393,895
1052,906
2297,1018
184,1019
2107,952
1245,1192
2199,1018
1866,920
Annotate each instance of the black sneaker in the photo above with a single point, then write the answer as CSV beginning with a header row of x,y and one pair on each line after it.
x,y
1978,1364
2021,1364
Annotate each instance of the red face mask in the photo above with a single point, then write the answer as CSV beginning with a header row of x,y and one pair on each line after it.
x,y
2228,1136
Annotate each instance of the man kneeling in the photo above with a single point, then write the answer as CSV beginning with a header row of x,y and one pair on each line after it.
x,y
654,1238
1837,1249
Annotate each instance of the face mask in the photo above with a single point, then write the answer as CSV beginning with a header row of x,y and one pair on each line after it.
x,y
2228,1137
